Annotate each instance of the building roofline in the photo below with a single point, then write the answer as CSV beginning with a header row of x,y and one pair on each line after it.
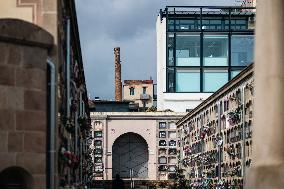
x,y
207,10
212,7
138,115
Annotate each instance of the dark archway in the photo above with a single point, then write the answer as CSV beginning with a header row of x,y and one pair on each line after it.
x,y
130,152
15,178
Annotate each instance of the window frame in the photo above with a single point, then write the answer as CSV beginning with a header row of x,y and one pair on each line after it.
x,y
131,91
171,70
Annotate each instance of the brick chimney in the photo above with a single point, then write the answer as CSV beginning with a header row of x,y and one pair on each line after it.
x,y
117,76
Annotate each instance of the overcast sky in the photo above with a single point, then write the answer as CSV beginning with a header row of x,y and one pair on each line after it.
x,y
128,24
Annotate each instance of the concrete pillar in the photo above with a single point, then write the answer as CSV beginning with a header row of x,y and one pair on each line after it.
x,y
268,132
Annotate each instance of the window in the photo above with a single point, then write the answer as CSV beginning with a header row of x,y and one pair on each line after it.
x,y
162,160
98,134
187,80
131,90
162,134
171,79
144,90
201,62
187,50
172,168
171,45
242,50
162,143
163,167
98,151
172,151
162,125
212,24
98,160
215,50
98,142
172,143
214,79
172,176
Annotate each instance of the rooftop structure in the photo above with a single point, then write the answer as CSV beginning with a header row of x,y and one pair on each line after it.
x,y
141,92
199,50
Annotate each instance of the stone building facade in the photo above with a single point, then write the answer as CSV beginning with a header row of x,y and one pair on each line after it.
x,y
70,165
141,142
215,147
23,105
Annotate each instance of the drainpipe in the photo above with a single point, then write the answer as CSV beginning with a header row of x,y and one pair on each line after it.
x,y
243,133
52,126
68,68
68,82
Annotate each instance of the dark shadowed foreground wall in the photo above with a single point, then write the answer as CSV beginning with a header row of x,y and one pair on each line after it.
x,y
23,109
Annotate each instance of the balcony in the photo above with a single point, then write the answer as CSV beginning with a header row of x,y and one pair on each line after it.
x,y
144,97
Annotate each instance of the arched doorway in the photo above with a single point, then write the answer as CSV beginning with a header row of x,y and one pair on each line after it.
x,y
15,178
130,152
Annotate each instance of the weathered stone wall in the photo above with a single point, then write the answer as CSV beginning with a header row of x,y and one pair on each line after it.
x,y
23,96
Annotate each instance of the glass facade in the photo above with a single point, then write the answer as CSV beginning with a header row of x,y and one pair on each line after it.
x,y
215,50
205,51
214,79
187,50
187,80
242,50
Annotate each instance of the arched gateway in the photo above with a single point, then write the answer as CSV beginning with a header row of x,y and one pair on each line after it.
x,y
130,155
15,178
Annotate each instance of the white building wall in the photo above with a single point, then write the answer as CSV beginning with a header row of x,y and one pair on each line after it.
x,y
178,102
161,61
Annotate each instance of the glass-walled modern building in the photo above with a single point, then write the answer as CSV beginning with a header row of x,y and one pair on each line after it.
x,y
199,50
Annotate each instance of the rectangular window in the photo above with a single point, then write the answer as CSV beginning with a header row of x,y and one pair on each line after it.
x,y
171,24
215,50
98,142
187,80
98,160
162,134
242,52
172,151
172,168
212,24
98,151
162,125
144,90
162,160
172,143
98,134
214,79
171,79
162,143
171,44
131,90
187,50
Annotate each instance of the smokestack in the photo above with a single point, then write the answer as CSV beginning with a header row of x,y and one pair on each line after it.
x,y
117,76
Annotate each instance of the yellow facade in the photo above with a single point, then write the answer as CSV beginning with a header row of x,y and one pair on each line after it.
x,y
138,91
